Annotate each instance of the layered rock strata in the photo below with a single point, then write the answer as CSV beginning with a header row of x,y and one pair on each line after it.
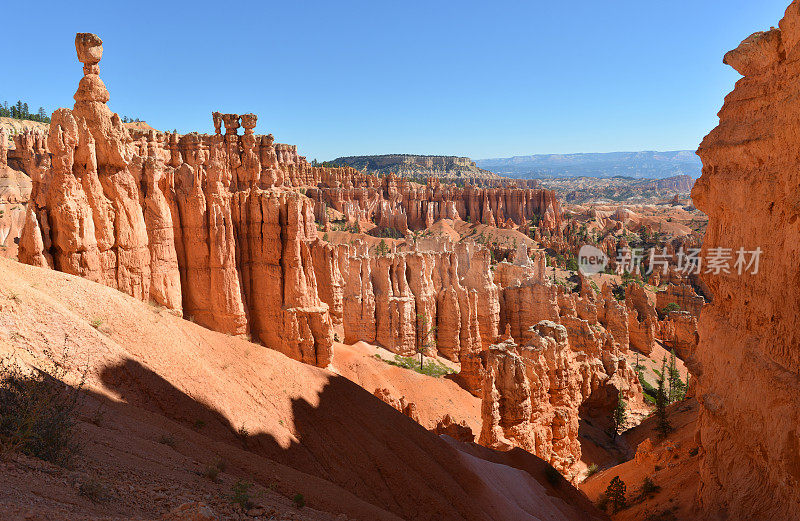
x,y
408,165
200,224
562,356
398,203
15,192
681,294
642,319
678,332
748,358
533,393
414,300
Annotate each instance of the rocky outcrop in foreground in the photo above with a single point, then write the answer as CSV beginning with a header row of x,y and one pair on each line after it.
x,y
748,356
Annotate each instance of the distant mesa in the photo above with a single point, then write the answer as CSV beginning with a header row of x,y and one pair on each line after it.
x,y
647,164
409,165
580,190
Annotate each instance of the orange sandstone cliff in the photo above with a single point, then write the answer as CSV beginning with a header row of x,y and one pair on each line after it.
x,y
223,229
748,358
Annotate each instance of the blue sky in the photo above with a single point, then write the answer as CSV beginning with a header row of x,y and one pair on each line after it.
x,y
481,79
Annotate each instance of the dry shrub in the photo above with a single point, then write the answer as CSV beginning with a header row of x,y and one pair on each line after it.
x,y
38,411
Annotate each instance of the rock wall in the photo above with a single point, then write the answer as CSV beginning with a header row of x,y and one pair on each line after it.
x,y
200,224
401,204
642,319
15,193
412,300
592,319
533,393
748,358
679,332
683,295
562,356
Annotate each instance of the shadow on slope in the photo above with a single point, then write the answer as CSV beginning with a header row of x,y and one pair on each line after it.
x,y
310,431
354,440
671,463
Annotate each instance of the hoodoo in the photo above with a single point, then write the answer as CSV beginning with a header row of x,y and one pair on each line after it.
x,y
222,228
206,325
180,220
225,230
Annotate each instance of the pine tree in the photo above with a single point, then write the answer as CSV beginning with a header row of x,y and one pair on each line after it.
x,y
662,400
620,415
382,248
615,492
676,386
425,338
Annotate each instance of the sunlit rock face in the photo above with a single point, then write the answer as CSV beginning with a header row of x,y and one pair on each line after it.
x,y
749,349
222,228
205,225
532,394
398,203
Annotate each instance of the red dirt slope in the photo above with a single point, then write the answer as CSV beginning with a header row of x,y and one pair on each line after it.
x,y
434,397
672,463
165,398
